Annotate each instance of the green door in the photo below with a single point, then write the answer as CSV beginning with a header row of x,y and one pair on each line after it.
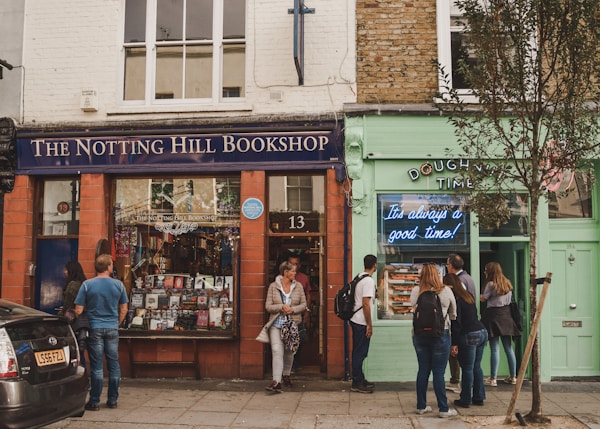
x,y
573,306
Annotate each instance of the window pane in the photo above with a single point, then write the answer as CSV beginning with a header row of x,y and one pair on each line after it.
x,y
199,18
460,56
169,20
175,246
234,19
135,73
234,69
169,71
577,204
60,211
296,208
198,72
135,21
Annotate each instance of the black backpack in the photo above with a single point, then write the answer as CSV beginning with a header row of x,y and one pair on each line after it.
x,y
428,318
343,304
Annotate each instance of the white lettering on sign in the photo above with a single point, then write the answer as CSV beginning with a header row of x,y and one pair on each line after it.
x,y
226,144
430,232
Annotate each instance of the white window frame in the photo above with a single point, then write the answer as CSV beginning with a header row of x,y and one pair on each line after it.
x,y
445,10
150,44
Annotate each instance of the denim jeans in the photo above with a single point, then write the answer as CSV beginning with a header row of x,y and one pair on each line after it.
x,y
360,349
470,352
432,355
104,342
495,355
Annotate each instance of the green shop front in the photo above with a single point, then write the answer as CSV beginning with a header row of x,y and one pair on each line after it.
x,y
407,209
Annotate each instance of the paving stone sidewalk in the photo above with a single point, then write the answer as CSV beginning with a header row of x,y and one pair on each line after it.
x,y
323,404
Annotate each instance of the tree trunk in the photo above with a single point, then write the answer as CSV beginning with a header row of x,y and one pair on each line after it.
x,y
535,415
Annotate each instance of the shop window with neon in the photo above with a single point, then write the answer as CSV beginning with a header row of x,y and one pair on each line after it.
x,y
175,242
413,229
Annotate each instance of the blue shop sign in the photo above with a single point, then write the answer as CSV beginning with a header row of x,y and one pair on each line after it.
x,y
176,151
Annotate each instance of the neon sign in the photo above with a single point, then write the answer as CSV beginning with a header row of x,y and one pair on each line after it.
x,y
419,220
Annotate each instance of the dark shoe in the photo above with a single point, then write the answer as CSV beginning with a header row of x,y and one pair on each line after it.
x,y
286,381
478,402
360,388
112,405
92,407
274,387
368,384
461,404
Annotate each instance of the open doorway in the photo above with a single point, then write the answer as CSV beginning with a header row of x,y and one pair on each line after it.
x,y
297,228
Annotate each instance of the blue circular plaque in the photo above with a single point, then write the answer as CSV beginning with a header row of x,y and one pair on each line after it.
x,y
252,208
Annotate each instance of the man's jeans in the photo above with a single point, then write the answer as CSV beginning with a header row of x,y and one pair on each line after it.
x,y
470,352
104,342
360,349
432,355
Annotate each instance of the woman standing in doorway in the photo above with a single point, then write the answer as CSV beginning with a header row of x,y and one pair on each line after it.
x,y
285,297
499,322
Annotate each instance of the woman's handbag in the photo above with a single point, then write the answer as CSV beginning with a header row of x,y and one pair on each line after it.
x,y
290,335
263,335
516,315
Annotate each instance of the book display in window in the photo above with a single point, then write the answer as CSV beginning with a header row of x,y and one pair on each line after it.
x,y
180,309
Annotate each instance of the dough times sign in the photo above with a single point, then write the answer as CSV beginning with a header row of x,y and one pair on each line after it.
x,y
422,220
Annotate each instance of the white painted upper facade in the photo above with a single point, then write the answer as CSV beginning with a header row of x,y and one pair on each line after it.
x,y
81,59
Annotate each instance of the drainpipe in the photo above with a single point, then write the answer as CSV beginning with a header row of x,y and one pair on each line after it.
x,y
346,322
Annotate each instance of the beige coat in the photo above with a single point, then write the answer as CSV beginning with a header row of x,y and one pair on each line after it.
x,y
274,303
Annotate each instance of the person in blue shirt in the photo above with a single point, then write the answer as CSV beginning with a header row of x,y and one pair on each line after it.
x,y
105,301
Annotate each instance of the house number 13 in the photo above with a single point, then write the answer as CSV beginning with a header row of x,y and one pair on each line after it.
x,y
296,222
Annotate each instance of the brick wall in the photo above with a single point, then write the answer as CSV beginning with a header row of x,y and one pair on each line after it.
x,y
396,48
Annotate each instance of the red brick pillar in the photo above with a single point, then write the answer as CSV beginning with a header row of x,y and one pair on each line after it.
x,y
94,217
253,278
17,243
334,254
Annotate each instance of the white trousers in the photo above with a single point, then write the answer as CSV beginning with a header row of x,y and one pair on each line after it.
x,y
282,359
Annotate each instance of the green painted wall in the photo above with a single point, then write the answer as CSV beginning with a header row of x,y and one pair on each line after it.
x,y
381,151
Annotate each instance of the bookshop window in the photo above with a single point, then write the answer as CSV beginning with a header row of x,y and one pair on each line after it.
x,y
413,229
59,212
176,243
296,204
576,202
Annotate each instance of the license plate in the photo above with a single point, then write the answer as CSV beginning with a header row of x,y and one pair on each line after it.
x,y
50,357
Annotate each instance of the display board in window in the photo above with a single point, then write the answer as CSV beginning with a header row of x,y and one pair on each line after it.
x,y
398,284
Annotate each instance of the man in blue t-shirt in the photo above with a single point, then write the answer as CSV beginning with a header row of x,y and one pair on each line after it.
x,y
105,301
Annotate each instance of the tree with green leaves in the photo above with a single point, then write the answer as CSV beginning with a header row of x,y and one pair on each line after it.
x,y
533,67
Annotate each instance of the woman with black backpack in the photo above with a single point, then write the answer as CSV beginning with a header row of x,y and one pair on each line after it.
x,y
432,347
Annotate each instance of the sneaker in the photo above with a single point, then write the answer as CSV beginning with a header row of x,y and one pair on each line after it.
x,y
274,387
112,405
360,388
427,409
92,407
450,413
461,404
490,382
286,381
510,380
454,387
368,384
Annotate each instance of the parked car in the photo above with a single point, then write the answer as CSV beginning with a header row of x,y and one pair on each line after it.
x,y
41,380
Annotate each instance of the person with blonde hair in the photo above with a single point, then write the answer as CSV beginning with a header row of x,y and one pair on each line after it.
x,y
499,322
433,352
285,297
